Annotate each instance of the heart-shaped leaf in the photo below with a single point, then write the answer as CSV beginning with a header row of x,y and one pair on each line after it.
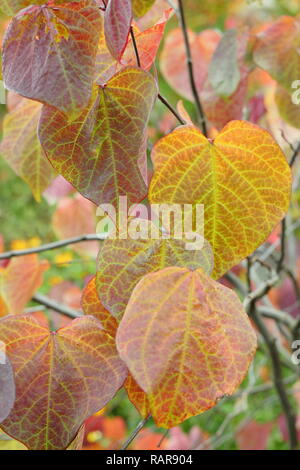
x,y
187,342
45,39
98,150
61,378
242,178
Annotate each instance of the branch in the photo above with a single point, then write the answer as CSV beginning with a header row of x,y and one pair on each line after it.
x,y
60,308
200,112
294,156
52,246
160,97
135,432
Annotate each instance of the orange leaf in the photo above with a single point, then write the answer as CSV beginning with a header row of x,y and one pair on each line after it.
x,y
68,375
186,340
242,178
18,282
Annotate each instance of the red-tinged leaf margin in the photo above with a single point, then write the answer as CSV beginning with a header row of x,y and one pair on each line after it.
x,y
71,373
187,341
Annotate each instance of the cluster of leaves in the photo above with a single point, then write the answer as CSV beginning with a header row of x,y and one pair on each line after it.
x,y
157,321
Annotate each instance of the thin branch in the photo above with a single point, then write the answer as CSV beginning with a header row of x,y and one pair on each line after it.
x,y
282,246
60,308
295,154
52,246
200,112
160,97
133,435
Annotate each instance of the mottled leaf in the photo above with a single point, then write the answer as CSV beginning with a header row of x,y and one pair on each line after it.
x,y
122,263
49,53
224,72
98,151
18,282
117,22
242,178
21,147
277,50
67,375
7,385
186,340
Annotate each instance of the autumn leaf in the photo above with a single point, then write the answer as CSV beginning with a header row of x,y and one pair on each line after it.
x,y
45,39
137,396
140,7
173,59
276,50
186,340
242,178
92,305
122,263
7,385
18,282
68,375
224,72
21,148
97,151
117,22
75,217
288,110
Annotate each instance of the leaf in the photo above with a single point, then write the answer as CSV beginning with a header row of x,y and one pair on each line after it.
x,y
277,50
218,110
92,305
7,443
102,146
288,110
137,396
147,42
117,22
75,217
21,147
7,385
59,43
11,7
140,7
186,340
106,65
224,73
122,263
68,375
242,178
18,282
173,59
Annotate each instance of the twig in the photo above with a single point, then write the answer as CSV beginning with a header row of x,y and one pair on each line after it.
x,y
52,246
200,112
160,97
133,435
295,154
49,303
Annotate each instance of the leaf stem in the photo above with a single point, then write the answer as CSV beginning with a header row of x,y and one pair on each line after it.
x,y
133,435
199,108
60,308
160,97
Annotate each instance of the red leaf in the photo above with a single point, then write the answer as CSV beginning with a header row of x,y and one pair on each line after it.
x,y
49,53
61,378
117,22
